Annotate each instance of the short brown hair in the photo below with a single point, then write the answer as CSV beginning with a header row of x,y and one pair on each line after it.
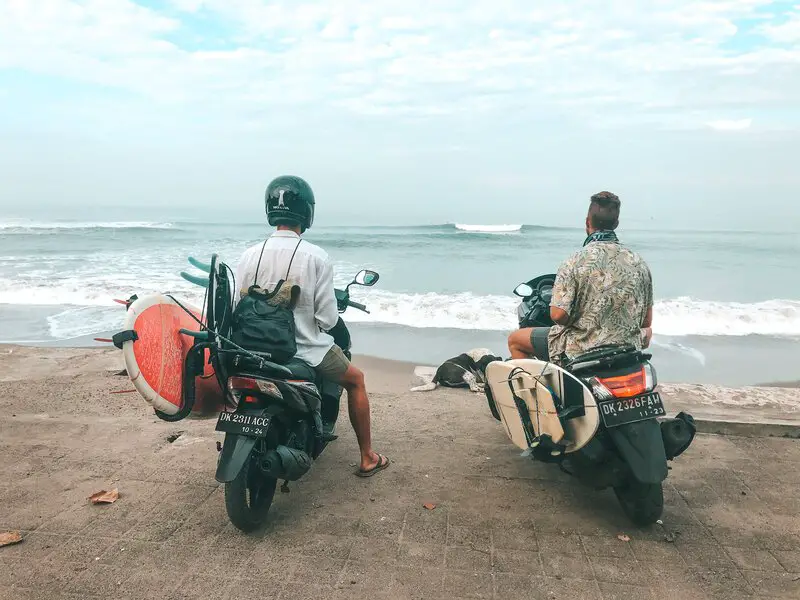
x,y
604,211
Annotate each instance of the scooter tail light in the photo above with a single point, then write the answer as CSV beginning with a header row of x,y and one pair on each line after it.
x,y
650,378
600,391
629,385
243,385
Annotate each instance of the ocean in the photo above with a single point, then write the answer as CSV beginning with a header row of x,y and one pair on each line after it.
x,y
727,303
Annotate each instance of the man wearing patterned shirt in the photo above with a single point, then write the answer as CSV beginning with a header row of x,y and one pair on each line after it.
x,y
603,295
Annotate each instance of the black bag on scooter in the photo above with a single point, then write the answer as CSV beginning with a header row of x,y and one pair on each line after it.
x,y
263,322
677,434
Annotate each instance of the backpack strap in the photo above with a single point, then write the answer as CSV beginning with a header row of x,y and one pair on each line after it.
x,y
291,260
258,266
260,256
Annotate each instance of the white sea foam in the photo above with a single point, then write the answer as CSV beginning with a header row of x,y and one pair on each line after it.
x,y
678,317
488,228
674,318
23,225
687,316
693,353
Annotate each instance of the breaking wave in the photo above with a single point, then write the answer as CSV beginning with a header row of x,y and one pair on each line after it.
x,y
88,307
25,226
678,317
488,228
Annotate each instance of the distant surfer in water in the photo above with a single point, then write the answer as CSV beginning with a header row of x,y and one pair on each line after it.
x,y
290,205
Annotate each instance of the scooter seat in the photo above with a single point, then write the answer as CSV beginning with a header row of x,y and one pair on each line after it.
x,y
301,370
298,370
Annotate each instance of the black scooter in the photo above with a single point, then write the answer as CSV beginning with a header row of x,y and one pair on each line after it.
x,y
630,450
281,417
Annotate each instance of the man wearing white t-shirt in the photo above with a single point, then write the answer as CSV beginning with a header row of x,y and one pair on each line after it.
x,y
290,205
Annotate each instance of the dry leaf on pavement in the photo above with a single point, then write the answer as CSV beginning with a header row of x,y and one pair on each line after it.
x,y
104,497
8,538
429,506
623,538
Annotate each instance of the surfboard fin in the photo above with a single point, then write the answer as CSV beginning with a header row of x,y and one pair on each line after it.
x,y
200,265
201,281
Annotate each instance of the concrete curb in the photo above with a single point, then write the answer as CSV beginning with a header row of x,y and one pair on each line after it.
x,y
781,430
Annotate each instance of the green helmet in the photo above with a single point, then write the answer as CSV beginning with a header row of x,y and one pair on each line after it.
x,y
289,201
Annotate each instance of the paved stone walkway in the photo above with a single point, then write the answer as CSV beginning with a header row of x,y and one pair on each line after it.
x,y
503,527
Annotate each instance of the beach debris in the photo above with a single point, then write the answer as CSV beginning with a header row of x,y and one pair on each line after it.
x,y
669,536
623,538
429,506
9,538
105,497
174,436
122,391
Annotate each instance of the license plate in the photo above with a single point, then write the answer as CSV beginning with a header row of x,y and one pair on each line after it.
x,y
629,410
243,424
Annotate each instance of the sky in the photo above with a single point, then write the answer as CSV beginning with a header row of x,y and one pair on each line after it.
x,y
476,111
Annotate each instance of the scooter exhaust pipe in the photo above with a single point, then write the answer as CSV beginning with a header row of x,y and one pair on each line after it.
x,y
286,463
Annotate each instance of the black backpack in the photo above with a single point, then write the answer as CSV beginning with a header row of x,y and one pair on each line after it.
x,y
260,325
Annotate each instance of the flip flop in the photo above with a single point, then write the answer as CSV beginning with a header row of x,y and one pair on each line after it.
x,y
382,463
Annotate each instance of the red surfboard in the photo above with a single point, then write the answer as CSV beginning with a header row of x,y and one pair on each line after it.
x,y
155,360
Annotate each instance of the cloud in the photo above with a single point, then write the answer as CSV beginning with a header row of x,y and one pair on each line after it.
x,y
730,125
613,64
787,31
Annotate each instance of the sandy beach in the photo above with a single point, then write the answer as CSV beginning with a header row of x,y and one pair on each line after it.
x,y
502,526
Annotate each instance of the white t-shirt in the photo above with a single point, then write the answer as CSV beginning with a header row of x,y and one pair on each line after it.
x,y
316,308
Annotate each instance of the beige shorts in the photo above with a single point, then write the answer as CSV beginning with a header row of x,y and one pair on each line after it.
x,y
334,365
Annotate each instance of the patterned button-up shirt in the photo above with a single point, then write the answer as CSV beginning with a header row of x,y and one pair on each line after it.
x,y
606,289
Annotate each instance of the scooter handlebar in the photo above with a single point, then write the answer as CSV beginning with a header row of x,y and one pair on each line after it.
x,y
357,305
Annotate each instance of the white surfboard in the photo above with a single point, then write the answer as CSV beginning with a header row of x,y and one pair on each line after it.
x,y
533,380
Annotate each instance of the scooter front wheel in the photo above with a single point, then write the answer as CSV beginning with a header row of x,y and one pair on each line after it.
x,y
642,503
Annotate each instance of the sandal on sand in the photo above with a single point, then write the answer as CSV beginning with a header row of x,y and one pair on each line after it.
x,y
382,463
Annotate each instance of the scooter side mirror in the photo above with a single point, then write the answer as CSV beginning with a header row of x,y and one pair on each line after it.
x,y
523,290
366,277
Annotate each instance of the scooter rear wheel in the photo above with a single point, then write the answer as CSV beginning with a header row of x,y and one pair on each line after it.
x,y
248,498
642,503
